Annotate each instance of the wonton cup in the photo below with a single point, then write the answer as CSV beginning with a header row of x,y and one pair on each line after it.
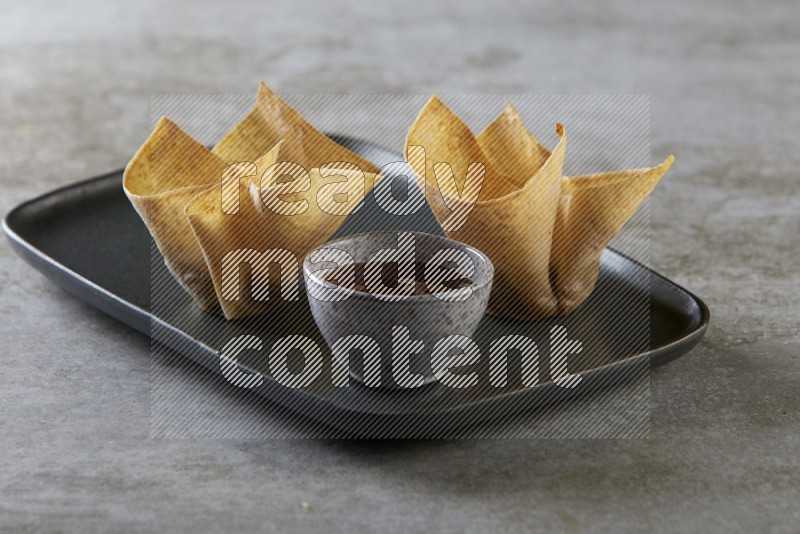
x,y
544,232
186,195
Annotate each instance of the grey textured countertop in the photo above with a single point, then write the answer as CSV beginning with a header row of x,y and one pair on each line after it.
x,y
75,88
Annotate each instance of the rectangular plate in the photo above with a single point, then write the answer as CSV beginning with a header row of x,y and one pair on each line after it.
x,y
88,239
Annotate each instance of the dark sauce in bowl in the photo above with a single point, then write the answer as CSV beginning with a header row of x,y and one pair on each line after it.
x,y
390,277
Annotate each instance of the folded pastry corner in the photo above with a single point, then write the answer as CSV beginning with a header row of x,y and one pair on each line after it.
x,y
223,219
272,120
167,171
593,209
511,148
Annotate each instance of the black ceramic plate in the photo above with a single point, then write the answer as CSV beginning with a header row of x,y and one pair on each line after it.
x,y
87,238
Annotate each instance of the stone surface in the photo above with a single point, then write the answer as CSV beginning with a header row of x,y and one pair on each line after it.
x,y
75,86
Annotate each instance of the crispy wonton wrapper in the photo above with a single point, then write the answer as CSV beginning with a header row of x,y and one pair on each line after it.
x,y
272,120
173,180
167,171
543,232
